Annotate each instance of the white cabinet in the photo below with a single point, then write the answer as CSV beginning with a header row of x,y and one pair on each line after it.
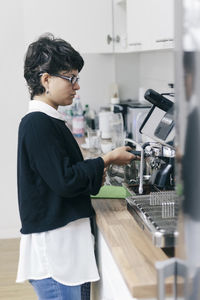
x,y
150,24
102,26
111,285
86,24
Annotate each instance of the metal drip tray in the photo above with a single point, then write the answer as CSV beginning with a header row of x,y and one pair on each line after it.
x,y
158,221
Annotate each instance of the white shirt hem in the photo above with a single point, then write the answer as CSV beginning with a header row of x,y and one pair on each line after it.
x,y
58,280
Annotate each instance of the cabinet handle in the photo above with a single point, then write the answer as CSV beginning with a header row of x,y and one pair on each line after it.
x,y
117,39
109,39
164,40
135,44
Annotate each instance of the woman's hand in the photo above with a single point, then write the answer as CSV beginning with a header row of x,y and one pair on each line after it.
x,y
119,156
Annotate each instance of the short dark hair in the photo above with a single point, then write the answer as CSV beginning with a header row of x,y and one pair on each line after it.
x,y
51,55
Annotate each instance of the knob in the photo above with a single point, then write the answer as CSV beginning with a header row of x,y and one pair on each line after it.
x,y
117,39
109,39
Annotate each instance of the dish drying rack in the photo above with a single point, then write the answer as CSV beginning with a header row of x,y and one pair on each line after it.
x,y
157,214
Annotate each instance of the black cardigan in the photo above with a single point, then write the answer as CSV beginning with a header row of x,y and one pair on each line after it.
x,y
54,182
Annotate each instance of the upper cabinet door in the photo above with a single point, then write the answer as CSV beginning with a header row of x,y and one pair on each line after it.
x,y
86,24
119,26
150,24
162,24
138,22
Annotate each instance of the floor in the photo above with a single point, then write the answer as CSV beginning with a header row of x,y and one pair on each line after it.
x,y
9,290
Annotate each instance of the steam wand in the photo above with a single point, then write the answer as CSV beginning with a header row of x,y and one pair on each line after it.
x,y
142,147
141,167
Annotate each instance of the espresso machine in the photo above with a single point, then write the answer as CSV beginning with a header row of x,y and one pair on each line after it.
x,y
150,181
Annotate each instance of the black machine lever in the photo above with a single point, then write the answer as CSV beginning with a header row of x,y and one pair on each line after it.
x,y
158,100
137,153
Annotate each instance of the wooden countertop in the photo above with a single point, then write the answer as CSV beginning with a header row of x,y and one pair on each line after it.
x,y
132,250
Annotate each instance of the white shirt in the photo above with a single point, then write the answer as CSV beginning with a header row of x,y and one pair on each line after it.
x,y
67,253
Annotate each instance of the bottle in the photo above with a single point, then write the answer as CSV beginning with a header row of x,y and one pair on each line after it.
x,y
89,116
78,119
114,100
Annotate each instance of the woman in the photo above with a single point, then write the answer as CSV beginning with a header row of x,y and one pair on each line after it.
x,y
54,182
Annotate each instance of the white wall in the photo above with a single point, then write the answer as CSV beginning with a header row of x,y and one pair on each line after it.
x,y
13,105
147,69
127,75
156,70
96,77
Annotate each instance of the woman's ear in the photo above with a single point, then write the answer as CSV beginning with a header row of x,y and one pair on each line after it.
x,y
45,81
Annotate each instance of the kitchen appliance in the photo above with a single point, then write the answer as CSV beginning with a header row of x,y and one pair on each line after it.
x,y
153,202
133,114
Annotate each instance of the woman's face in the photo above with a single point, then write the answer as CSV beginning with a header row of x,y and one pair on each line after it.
x,y
60,91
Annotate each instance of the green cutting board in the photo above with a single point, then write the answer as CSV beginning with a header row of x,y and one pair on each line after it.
x,y
110,191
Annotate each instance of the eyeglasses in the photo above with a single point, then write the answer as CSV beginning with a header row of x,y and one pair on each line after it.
x,y
73,79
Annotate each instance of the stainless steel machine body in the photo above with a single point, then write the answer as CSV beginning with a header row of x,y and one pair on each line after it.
x,y
151,181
